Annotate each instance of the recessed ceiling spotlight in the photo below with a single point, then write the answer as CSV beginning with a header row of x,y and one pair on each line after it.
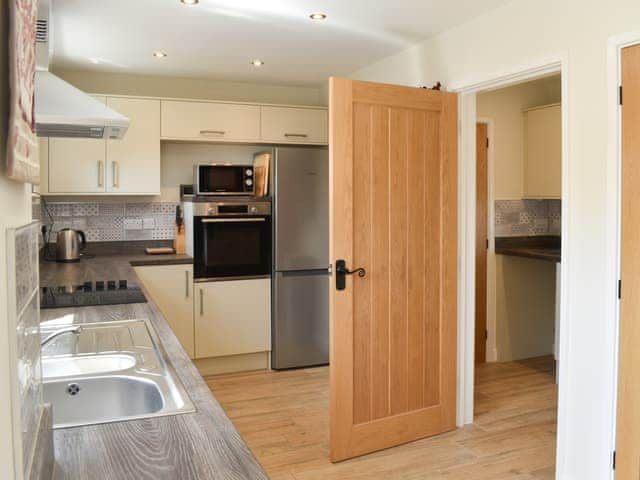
x,y
190,2
318,16
159,54
257,62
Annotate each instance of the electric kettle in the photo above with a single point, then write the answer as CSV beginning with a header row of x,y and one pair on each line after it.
x,y
69,244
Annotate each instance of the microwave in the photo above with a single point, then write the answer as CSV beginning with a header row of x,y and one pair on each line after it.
x,y
224,179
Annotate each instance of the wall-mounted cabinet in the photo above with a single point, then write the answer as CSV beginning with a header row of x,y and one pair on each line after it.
x,y
129,166
211,122
294,125
543,152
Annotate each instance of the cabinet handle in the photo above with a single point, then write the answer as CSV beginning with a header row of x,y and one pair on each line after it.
x,y
201,303
116,174
100,174
298,135
233,220
212,132
186,283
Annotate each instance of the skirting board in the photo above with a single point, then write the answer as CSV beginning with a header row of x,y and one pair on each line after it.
x,y
233,363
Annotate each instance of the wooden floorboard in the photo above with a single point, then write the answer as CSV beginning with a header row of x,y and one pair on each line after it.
x,y
284,418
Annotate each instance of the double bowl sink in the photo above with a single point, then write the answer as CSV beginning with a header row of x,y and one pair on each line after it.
x,y
109,372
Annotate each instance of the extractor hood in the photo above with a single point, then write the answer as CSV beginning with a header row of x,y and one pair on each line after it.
x,y
62,110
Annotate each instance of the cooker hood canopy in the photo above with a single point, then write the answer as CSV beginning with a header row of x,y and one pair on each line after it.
x,y
62,110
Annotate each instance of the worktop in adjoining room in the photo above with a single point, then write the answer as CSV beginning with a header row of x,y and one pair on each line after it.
x,y
546,247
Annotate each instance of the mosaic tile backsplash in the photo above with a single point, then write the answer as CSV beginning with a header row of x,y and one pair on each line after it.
x,y
517,218
107,222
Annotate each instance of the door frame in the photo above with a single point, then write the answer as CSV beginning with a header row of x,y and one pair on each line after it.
x,y
467,114
615,45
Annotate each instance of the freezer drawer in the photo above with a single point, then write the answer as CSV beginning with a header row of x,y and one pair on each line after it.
x,y
300,319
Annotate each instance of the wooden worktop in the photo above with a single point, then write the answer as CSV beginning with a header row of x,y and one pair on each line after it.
x,y
193,446
539,247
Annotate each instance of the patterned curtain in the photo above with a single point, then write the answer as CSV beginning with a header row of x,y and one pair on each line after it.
x,y
23,163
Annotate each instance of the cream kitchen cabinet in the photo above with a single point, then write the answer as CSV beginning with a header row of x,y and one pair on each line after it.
x,y
294,125
543,152
232,317
129,166
210,122
171,288
133,163
76,165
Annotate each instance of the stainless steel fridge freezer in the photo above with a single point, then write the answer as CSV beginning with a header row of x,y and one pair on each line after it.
x,y
300,316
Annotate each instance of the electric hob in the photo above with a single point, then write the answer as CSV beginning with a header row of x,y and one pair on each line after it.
x,y
110,292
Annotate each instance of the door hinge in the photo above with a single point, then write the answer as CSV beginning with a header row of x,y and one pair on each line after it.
x,y
619,289
487,142
486,334
620,95
613,462
487,244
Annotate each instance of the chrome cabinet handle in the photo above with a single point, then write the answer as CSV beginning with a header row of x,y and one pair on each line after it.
x,y
186,283
100,174
116,174
298,135
212,132
201,303
231,220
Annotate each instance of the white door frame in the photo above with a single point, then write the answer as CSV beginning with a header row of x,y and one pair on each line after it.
x,y
467,91
614,187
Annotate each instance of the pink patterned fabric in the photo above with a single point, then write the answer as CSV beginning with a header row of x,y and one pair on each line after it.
x,y
22,146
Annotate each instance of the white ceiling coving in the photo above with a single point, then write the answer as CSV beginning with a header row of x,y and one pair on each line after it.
x,y
218,39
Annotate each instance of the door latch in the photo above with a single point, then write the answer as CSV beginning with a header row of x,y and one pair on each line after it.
x,y
342,271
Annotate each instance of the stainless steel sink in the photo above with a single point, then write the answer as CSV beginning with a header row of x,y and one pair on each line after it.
x,y
110,372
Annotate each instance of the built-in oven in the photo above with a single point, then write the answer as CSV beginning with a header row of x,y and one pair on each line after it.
x,y
231,239
224,179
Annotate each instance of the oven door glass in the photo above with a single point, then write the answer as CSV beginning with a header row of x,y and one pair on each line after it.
x,y
232,246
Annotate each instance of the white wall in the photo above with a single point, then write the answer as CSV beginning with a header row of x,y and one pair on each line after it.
x,y
505,107
161,86
15,208
512,36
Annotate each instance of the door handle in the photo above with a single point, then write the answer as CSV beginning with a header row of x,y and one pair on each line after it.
x,y
100,174
342,271
116,174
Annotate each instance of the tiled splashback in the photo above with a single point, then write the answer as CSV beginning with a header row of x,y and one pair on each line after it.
x,y
106,222
516,218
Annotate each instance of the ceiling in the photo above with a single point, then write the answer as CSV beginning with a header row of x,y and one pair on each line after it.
x,y
217,39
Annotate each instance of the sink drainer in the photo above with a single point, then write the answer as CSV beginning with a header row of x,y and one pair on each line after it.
x,y
73,389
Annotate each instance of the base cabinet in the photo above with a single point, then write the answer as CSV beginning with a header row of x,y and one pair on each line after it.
x,y
232,317
171,288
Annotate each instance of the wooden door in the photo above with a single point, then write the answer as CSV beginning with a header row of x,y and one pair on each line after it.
x,y
628,435
393,161
482,242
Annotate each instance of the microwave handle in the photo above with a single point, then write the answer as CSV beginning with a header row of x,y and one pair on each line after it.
x,y
231,220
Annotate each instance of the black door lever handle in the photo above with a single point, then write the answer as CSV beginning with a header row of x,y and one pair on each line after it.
x,y
342,271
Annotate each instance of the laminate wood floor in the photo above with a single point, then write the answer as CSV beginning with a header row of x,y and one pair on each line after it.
x,y
283,417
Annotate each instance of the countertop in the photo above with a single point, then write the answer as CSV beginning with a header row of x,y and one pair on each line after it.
x,y
201,445
538,247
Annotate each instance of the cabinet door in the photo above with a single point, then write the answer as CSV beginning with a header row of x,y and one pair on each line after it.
x,y
133,163
543,152
171,288
294,125
77,165
204,121
233,317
